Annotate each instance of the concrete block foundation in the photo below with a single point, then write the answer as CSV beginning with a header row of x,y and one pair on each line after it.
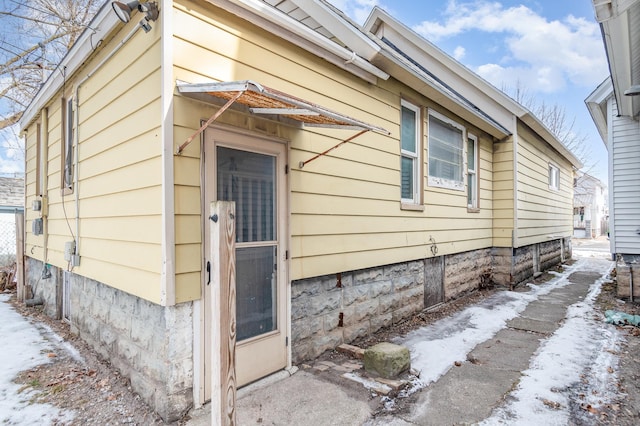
x,y
152,345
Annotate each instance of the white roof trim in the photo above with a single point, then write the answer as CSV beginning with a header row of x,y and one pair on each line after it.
x,y
343,31
101,25
597,105
292,27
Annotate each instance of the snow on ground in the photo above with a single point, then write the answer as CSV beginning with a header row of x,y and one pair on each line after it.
x,y
23,347
435,348
576,364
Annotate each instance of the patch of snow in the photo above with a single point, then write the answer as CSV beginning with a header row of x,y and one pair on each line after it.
x,y
23,347
570,367
434,349
54,338
370,384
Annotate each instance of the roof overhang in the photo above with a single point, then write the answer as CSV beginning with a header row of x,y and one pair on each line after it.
x,y
96,32
410,72
618,19
275,21
597,105
260,99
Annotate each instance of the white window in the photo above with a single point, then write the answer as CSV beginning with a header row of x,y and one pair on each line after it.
x,y
410,153
472,172
446,152
67,146
554,177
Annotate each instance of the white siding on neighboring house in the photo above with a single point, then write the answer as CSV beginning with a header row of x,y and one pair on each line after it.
x,y
624,179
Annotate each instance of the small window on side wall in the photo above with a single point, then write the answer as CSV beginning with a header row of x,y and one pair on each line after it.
x,y
472,172
410,153
554,177
66,181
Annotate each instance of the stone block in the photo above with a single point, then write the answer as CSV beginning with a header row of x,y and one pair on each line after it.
x,y
380,288
324,303
387,360
356,331
367,276
354,294
381,321
331,321
304,328
352,351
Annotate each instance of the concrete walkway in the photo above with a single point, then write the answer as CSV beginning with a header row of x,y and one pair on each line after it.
x,y
469,393
464,395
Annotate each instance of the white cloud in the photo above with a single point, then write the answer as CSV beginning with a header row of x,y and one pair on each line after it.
x,y
459,52
358,10
546,54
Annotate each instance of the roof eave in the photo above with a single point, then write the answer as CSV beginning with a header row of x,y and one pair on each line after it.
x,y
98,29
530,120
596,104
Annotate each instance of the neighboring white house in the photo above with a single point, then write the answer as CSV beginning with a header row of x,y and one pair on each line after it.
x,y
590,211
614,107
11,202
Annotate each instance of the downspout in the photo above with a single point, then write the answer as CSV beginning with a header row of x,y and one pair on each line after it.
x,y
77,134
514,231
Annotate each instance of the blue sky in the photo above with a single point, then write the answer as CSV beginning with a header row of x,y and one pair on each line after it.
x,y
551,48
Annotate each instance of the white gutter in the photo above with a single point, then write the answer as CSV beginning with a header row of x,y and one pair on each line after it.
x,y
343,31
97,30
273,15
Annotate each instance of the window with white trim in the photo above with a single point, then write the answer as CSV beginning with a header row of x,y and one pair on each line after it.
x,y
472,172
66,181
554,177
446,152
410,153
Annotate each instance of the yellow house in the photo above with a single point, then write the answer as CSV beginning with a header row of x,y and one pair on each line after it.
x,y
372,175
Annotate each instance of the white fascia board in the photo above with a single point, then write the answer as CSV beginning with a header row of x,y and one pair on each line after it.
x,y
284,26
98,29
615,34
596,103
342,30
413,77
380,17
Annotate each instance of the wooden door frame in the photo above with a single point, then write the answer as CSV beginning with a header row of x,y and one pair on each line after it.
x,y
199,307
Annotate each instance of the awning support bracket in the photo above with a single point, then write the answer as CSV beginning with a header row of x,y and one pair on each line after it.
x,y
303,163
213,118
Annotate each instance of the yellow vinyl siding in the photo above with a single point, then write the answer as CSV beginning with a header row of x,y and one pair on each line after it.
x,y
543,213
119,170
503,193
345,205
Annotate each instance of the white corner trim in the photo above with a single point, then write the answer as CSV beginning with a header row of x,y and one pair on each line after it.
x,y
168,275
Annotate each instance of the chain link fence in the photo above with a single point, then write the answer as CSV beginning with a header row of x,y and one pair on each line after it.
x,y
7,239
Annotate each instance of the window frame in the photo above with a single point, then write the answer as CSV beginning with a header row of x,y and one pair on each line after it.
x,y
440,182
416,201
554,177
474,205
66,149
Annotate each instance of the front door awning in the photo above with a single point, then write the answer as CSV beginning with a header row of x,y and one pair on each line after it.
x,y
264,100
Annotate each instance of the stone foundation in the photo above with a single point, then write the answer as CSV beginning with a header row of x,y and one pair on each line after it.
x,y
624,270
330,310
150,344
336,309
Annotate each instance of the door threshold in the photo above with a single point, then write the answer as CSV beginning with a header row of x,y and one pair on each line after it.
x,y
266,381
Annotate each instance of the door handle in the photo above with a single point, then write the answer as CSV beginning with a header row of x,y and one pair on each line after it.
x,y
208,272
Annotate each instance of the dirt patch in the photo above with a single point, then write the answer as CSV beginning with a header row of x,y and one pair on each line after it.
x,y
626,410
90,387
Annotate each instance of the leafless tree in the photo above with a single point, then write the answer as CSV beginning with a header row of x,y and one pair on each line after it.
x,y
34,37
554,117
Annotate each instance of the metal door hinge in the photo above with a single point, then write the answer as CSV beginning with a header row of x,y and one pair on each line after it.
x,y
286,169
286,341
286,255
